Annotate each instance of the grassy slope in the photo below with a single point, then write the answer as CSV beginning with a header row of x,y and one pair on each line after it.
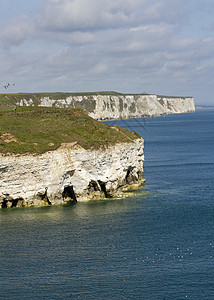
x,y
40,129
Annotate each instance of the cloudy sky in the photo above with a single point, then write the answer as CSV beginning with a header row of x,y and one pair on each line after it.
x,y
132,46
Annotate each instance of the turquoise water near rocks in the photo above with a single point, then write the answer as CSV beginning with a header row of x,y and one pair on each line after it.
x,y
158,244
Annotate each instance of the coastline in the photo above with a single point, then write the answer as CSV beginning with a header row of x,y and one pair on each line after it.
x,y
68,155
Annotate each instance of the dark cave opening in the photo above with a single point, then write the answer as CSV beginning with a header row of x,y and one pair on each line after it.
x,y
10,203
127,178
4,204
93,186
103,189
69,193
14,203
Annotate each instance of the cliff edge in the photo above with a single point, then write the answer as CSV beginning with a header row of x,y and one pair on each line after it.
x,y
106,105
55,156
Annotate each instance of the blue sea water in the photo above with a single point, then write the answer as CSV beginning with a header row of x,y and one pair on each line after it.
x,y
158,244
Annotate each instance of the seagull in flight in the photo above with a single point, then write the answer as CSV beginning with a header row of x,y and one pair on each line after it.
x,y
6,86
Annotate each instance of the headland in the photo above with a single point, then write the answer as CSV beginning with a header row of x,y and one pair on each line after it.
x,y
53,149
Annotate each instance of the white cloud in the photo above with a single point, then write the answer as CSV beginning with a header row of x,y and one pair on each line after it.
x,y
71,15
76,15
17,31
129,45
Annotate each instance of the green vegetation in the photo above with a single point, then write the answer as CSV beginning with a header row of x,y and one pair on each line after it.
x,y
10,100
41,129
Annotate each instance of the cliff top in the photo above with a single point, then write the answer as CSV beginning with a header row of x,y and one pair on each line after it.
x,y
7,100
10,100
41,129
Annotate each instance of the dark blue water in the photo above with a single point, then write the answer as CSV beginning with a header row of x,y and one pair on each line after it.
x,y
158,244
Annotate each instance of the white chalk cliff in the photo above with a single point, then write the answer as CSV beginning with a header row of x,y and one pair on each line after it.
x,y
72,173
69,173
103,107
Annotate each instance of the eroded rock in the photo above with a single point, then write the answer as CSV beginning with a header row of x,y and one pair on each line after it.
x,y
109,107
69,174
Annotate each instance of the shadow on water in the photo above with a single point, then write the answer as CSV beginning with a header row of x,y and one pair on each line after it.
x,y
74,210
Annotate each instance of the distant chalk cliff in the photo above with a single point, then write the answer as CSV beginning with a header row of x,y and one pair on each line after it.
x,y
117,106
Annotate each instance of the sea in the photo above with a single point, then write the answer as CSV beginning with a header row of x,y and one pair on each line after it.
x,y
155,244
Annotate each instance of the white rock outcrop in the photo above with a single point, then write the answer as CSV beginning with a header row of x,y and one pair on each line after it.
x,y
103,107
69,173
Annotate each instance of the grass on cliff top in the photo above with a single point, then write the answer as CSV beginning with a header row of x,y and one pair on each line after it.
x,y
10,100
40,129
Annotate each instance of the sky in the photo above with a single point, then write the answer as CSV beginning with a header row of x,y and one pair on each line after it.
x,y
163,47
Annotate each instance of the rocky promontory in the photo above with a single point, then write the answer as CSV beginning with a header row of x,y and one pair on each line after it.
x,y
56,156
54,151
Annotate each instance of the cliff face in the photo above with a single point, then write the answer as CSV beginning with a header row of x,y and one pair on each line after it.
x,y
103,107
72,173
69,173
